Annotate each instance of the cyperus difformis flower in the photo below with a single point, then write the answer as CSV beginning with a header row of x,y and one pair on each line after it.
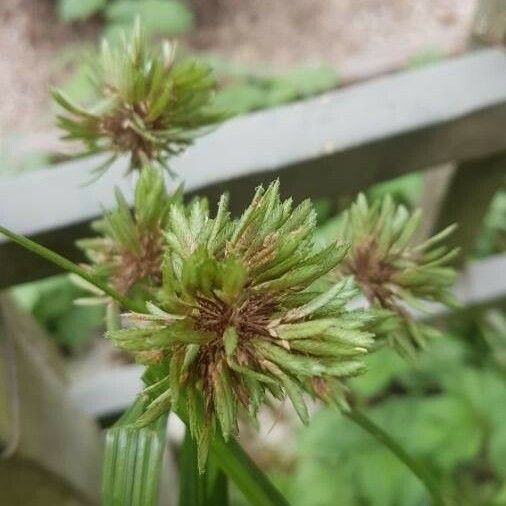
x,y
149,104
392,272
239,316
128,253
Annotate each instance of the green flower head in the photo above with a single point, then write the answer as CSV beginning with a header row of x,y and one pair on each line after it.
x,y
129,251
240,315
392,272
149,105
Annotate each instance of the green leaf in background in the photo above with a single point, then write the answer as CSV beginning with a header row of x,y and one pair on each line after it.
x,y
164,17
346,466
426,56
307,81
492,236
79,85
51,301
19,157
241,98
497,446
217,485
76,10
383,367
405,189
253,92
133,461
446,412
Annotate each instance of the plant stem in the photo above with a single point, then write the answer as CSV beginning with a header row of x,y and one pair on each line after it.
x,y
418,470
112,317
250,480
239,468
69,266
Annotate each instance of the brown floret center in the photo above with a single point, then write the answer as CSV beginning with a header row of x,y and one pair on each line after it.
x,y
143,264
249,317
373,273
119,128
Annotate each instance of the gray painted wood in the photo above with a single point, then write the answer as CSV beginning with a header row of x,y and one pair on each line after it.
x,y
490,22
470,190
435,185
335,144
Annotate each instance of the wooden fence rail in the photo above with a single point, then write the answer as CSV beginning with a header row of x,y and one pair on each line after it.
x,y
338,143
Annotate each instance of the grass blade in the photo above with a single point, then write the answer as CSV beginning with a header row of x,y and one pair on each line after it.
x,y
192,490
195,489
217,485
133,461
250,480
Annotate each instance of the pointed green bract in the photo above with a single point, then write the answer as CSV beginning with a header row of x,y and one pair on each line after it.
x,y
129,251
149,104
133,461
392,270
237,316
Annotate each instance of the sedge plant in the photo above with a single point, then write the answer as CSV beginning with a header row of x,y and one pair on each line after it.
x,y
229,312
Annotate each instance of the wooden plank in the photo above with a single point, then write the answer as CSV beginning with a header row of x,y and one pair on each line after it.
x,y
110,391
50,450
490,22
470,190
435,185
335,144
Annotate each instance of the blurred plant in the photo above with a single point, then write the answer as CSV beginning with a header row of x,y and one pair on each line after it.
x,y
129,252
405,190
427,56
51,301
492,237
243,90
76,10
448,412
392,272
18,155
158,17
163,17
150,106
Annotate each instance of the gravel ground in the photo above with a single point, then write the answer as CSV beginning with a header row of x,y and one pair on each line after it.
x,y
361,37
31,42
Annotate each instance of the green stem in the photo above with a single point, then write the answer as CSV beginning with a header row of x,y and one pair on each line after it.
x,y
239,467
415,467
250,480
69,266
112,317
196,489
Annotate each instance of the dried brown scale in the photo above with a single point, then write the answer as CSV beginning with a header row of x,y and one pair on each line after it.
x,y
152,356
373,273
249,319
135,266
124,138
320,387
265,254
